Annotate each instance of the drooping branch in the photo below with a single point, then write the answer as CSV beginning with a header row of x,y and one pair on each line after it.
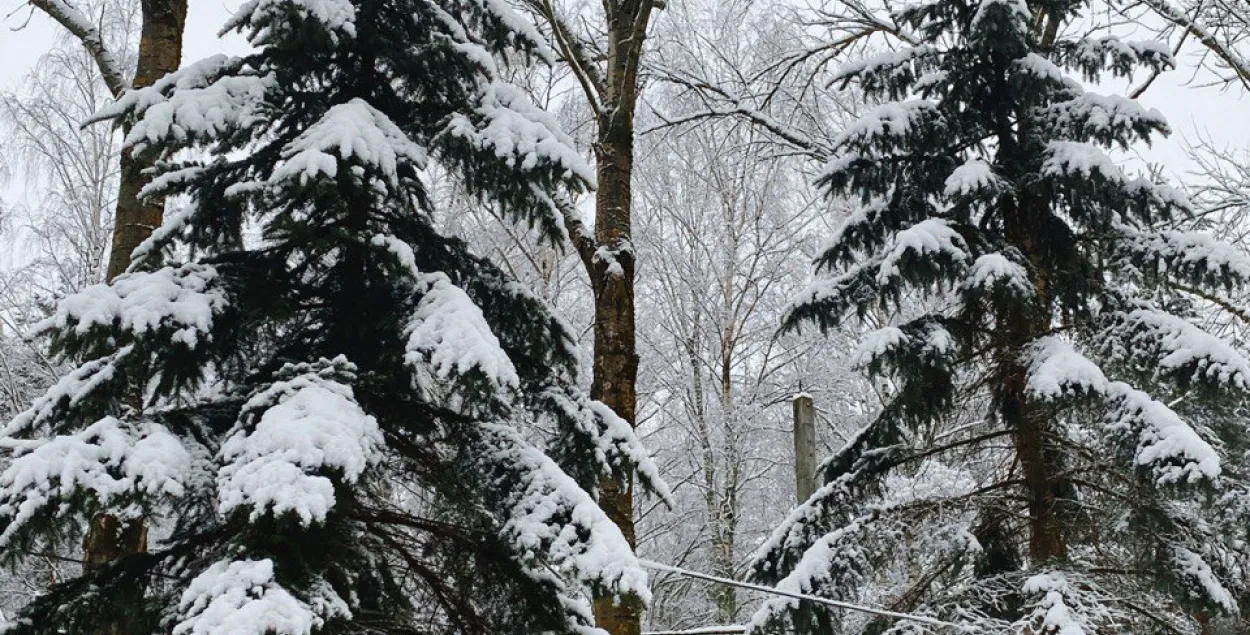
x,y
77,23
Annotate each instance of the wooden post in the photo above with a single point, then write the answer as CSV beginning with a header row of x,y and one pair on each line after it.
x,y
804,446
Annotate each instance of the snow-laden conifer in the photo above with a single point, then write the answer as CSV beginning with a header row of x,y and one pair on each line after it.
x,y
335,418
1057,422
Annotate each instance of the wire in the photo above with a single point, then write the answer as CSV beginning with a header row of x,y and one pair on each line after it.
x,y
920,619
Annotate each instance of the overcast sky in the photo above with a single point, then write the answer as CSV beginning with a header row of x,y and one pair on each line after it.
x,y
1193,111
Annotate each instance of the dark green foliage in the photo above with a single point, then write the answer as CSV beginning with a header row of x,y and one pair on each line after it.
x,y
1042,302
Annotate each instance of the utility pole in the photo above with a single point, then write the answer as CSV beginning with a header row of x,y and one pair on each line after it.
x,y
804,446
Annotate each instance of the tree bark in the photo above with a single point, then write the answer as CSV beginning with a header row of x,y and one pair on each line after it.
x,y
160,53
612,270
615,355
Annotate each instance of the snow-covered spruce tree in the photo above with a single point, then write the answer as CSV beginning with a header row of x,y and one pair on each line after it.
x,y
1076,499
329,411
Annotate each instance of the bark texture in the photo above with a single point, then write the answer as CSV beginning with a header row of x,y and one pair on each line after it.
x,y
612,275
160,53
608,255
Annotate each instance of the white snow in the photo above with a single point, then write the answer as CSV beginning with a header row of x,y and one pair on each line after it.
x,y
811,570
69,390
971,177
878,343
889,59
198,102
1064,158
616,435
448,334
307,426
1192,250
1180,344
1093,51
1094,112
174,221
589,546
1042,68
990,270
1165,443
1018,9
520,26
108,459
1164,439
181,298
611,260
893,120
338,17
242,597
351,131
1057,617
1058,370
925,239
1191,566
401,250
520,133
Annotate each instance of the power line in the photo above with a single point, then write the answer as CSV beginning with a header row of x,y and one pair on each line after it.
x,y
920,619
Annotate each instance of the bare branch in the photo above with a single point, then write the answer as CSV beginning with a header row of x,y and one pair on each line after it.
x,y
77,23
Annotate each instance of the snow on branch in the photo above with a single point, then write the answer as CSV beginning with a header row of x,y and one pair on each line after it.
x,y
891,125
1056,370
291,436
1239,65
1092,56
1161,441
555,526
75,391
197,103
525,136
1016,10
110,460
449,338
1108,119
888,68
1063,607
336,17
995,272
243,597
1192,570
81,27
1084,175
931,240
1194,257
180,301
973,177
1174,346
1165,444
616,438
356,132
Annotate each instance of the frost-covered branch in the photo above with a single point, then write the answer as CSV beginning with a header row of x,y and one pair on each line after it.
x,y
77,23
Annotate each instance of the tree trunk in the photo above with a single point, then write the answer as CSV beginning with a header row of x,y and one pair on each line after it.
x,y
609,255
616,357
1029,421
160,53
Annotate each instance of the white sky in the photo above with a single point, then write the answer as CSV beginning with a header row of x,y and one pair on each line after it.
x,y
1223,117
